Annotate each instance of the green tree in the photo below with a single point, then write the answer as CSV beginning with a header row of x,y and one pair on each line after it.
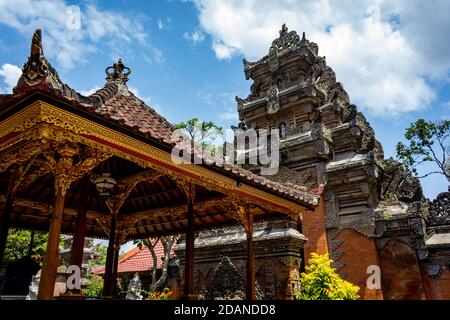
x,y
203,132
18,244
167,242
427,142
321,282
95,286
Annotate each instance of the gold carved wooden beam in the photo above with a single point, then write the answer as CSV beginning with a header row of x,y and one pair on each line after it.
x,y
42,121
47,208
175,211
188,188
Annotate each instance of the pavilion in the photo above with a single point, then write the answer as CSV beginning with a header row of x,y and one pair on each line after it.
x,y
57,146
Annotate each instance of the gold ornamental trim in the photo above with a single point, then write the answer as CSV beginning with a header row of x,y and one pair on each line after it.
x,y
43,121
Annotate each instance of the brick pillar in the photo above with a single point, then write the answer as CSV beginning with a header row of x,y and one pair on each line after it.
x,y
359,252
313,227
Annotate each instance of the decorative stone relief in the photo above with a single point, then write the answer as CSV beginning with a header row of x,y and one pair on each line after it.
x,y
332,210
226,284
273,102
440,209
434,270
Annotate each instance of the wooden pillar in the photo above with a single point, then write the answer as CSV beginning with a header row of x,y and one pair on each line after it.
x,y
250,266
4,225
114,288
76,253
189,252
31,246
110,258
50,263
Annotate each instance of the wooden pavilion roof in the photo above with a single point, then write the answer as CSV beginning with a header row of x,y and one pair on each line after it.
x,y
114,131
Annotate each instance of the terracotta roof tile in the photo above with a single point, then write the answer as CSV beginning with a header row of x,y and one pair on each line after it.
x,y
138,260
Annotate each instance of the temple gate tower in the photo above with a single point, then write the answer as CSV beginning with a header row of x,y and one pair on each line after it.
x,y
326,142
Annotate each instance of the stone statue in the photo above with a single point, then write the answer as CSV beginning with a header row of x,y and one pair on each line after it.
x,y
134,288
34,286
283,130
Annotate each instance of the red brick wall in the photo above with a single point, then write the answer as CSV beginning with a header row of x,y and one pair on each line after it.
x,y
400,271
359,253
436,287
313,227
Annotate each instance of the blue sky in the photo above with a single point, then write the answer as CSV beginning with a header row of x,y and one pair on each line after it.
x,y
186,56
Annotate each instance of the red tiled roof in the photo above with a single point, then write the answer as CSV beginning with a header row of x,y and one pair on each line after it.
x,y
138,260
131,112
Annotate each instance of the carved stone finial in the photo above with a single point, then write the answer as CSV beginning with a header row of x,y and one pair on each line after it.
x,y
37,66
303,36
284,30
118,72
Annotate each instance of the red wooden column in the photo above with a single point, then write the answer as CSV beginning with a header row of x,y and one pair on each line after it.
x,y
14,178
250,266
189,253
4,225
107,284
114,289
50,263
76,253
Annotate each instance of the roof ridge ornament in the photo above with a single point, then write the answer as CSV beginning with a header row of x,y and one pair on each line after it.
x,y
118,72
284,30
37,66
287,41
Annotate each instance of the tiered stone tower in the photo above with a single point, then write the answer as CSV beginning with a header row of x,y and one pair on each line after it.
x,y
373,209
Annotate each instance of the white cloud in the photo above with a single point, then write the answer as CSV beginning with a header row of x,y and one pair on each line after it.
x,y
71,46
206,97
90,91
195,36
229,115
164,24
158,56
382,51
10,74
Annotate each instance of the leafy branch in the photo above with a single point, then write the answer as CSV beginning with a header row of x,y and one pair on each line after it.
x,y
427,142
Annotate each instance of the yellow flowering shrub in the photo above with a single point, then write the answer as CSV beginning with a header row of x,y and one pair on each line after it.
x,y
322,282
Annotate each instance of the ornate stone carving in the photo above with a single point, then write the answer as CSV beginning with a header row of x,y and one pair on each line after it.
x,y
273,102
226,284
435,270
291,261
332,210
270,286
417,227
439,209
118,72
288,41
34,286
396,182
134,288
334,246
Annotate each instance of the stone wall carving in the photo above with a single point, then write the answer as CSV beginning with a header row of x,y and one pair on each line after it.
x,y
439,211
226,284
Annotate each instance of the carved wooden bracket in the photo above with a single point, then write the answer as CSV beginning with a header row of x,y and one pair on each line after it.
x,y
242,212
126,185
187,188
